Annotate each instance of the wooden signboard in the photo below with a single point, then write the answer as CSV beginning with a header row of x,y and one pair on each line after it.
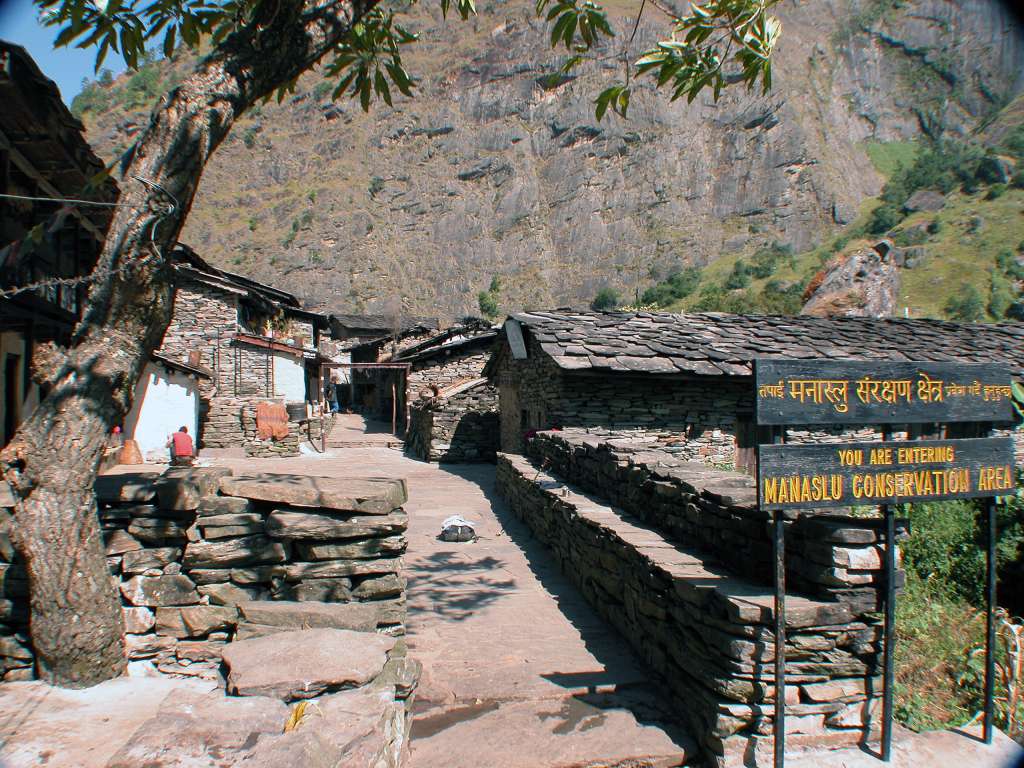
x,y
880,392
848,474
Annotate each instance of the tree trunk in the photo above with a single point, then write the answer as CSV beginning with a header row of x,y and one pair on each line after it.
x,y
52,462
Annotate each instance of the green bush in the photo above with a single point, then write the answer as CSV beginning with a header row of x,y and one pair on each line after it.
x,y
967,307
766,261
1014,142
606,299
678,285
322,90
884,218
778,298
1001,296
912,236
488,304
739,277
938,617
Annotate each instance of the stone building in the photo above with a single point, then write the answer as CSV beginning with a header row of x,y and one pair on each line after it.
x,y
686,380
248,343
42,155
380,391
453,409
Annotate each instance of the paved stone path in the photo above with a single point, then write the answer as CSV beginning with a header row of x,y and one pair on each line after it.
x,y
518,671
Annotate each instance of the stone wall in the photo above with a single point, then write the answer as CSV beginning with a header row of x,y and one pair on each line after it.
x,y
706,632
204,320
203,558
716,511
230,422
16,656
460,428
444,372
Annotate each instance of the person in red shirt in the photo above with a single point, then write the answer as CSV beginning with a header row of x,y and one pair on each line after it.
x,y
183,452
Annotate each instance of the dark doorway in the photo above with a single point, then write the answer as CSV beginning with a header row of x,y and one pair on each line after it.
x,y
11,404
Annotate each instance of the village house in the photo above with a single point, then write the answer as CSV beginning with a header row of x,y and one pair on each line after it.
x,y
376,385
453,409
232,344
685,380
42,155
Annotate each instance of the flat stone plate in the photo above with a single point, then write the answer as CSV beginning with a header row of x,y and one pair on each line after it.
x,y
137,487
304,663
369,495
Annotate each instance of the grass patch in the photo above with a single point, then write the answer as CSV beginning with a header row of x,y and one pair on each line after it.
x,y
887,156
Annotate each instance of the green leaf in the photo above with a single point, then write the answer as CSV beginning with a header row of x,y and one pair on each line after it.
x,y
381,86
169,40
364,93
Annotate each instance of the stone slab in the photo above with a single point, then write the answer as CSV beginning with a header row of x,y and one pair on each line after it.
x,y
137,561
350,550
126,487
328,569
194,621
362,617
371,496
225,553
224,505
361,727
156,591
193,729
303,664
182,488
310,526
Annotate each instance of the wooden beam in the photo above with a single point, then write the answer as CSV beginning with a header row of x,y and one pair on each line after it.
x,y
25,166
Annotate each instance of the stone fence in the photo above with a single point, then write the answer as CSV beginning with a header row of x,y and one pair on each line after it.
x,y
230,422
203,558
678,565
460,428
831,556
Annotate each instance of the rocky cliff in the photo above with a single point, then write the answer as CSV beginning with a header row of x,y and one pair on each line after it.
x,y
498,168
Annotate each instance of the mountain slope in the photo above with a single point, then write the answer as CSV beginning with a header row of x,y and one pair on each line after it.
x,y
496,169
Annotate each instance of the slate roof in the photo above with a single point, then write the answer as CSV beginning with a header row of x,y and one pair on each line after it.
x,y
716,344
481,339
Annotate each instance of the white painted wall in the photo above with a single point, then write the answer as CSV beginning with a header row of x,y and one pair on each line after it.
x,y
289,377
164,402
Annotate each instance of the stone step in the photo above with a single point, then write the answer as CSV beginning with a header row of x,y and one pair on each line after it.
x,y
287,615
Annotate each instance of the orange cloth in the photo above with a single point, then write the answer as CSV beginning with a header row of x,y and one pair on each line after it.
x,y
182,444
271,421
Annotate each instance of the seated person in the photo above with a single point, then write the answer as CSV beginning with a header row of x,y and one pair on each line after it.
x,y
183,452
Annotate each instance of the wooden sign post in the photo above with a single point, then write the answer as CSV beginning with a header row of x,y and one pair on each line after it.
x,y
823,475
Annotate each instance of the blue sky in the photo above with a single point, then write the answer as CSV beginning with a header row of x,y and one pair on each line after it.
x,y
65,66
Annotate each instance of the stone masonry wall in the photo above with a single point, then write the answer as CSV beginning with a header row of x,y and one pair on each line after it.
x,y
716,512
443,372
231,422
460,428
202,558
204,320
705,632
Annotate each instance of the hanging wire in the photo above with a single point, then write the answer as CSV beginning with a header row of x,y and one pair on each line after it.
x,y
96,273
73,200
